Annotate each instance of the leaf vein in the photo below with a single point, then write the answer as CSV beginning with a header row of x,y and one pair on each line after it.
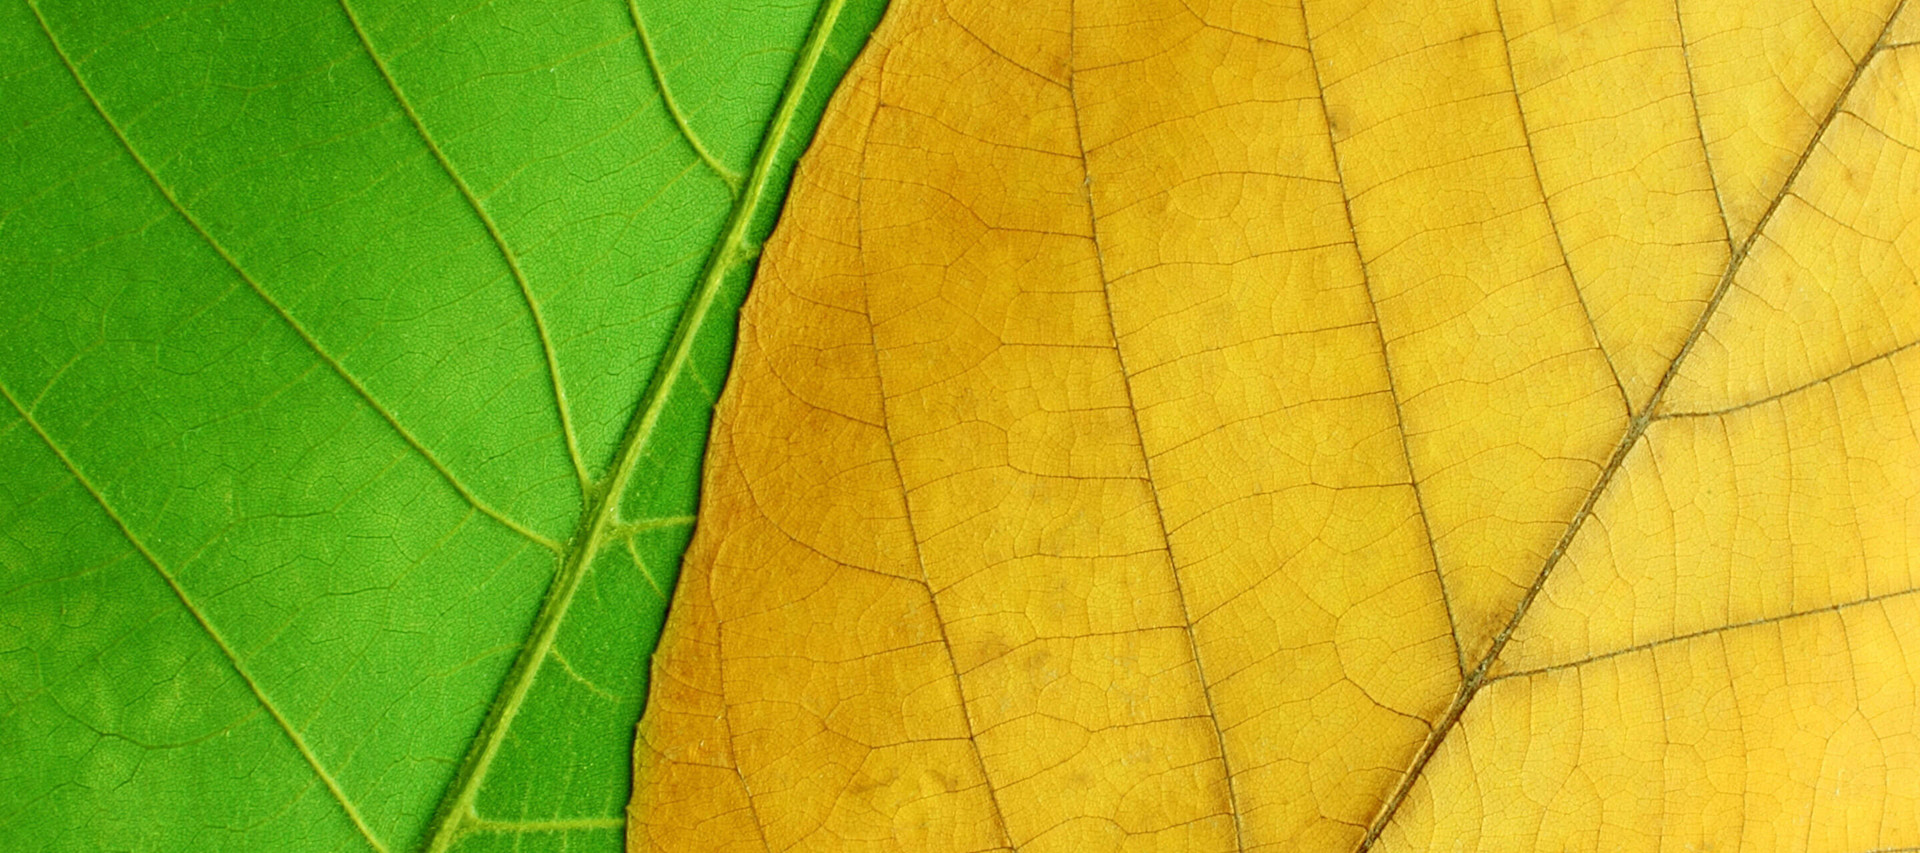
x,y
456,815
200,618
1763,621
1889,355
1233,806
279,310
1386,361
499,241
1546,203
577,824
730,177
1636,428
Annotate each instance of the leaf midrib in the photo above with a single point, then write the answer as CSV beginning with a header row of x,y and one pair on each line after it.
x,y
602,523
1637,428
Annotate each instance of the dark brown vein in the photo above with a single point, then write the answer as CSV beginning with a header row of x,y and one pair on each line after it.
x,y
1386,361
1650,645
726,723
1636,428
913,530
1546,203
1699,129
1797,389
1146,458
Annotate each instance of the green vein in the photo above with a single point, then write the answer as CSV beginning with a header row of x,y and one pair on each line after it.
x,y
566,666
278,309
731,177
563,825
456,814
499,242
627,530
645,572
233,659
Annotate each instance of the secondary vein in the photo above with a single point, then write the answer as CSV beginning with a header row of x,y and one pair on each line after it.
x,y
1636,429
279,310
499,242
1140,439
730,177
200,618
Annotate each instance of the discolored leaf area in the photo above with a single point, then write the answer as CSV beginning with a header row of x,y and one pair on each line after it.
x,y
1228,425
357,358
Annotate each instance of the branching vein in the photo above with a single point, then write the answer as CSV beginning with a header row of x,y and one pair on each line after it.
x,y
601,523
499,242
731,177
200,618
1636,429
279,310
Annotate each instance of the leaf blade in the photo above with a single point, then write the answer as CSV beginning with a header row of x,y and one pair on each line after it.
x,y
331,299
1354,387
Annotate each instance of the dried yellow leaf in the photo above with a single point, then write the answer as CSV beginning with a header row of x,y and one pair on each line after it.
x,y
1227,425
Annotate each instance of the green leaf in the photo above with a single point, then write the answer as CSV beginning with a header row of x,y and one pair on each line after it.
x,y
358,358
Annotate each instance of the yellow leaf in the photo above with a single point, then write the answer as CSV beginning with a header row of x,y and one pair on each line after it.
x,y
1220,425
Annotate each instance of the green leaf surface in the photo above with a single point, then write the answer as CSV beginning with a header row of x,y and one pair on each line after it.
x,y
358,358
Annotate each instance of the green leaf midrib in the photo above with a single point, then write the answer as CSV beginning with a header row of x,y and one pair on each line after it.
x,y
603,523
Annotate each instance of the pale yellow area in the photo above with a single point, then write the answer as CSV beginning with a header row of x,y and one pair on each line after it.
x,y
1799,734
1629,186
1765,74
1829,286
1226,425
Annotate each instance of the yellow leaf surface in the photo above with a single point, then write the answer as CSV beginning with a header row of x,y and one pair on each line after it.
x,y
1226,425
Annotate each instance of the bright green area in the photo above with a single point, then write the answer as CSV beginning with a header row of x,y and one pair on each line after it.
x,y
327,329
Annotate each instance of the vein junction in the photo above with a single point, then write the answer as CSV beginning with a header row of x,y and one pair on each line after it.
x,y
1313,430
